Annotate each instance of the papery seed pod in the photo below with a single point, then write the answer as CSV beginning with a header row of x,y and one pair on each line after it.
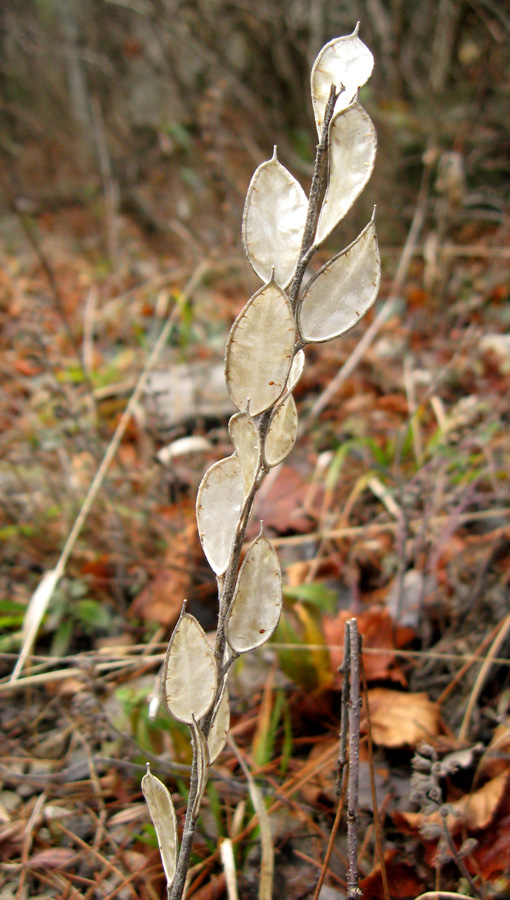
x,y
257,601
259,350
219,501
282,432
219,726
245,438
296,370
352,147
345,62
201,753
340,294
189,675
273,222
162,813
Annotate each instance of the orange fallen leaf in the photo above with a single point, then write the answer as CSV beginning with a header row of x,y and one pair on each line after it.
x,y
492,856
161,599
281,504
402,720
402,877
474,812
479,808
379,632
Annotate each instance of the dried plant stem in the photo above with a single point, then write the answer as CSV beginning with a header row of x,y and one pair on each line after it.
x,y
503,630
227,581
460,862
346,674
341,783
377,822
316,190
188,835
353,890
331,842
349,721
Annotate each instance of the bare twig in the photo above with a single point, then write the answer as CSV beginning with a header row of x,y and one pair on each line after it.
x,y
341,783
331,842
377,822
346,675
501,636
353,889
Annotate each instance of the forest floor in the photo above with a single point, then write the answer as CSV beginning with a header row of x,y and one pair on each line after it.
x,y
394,507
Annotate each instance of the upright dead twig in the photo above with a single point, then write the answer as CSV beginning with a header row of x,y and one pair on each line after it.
x,y
354,705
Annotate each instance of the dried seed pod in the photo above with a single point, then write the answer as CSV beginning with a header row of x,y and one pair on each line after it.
x,y
189,675
219,727
337,297
201,753
259,350
296,370
282,432
352,148
273,222
257,601
246,440
219,501
162,813
345,62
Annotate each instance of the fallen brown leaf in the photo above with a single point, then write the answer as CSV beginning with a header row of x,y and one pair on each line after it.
x,y
474,812
379,632
479,808
161,599
402,720
401,876
281,504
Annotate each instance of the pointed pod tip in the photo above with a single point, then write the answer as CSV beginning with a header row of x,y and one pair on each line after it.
x,y
356,30
275,154
373,214
148,768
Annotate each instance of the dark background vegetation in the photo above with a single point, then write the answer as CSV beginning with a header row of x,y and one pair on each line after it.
x,y
140,92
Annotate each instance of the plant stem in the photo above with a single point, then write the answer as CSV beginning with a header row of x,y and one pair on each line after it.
x,y
460,862
188,835
346,674
353,890
341,784
229,578
377,821
319,175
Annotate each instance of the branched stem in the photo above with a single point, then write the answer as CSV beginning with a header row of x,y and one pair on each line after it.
x,y
226,586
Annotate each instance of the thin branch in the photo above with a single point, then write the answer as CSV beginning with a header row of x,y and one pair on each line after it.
x,y
377,821
331,842
353,889
316,190
346,675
